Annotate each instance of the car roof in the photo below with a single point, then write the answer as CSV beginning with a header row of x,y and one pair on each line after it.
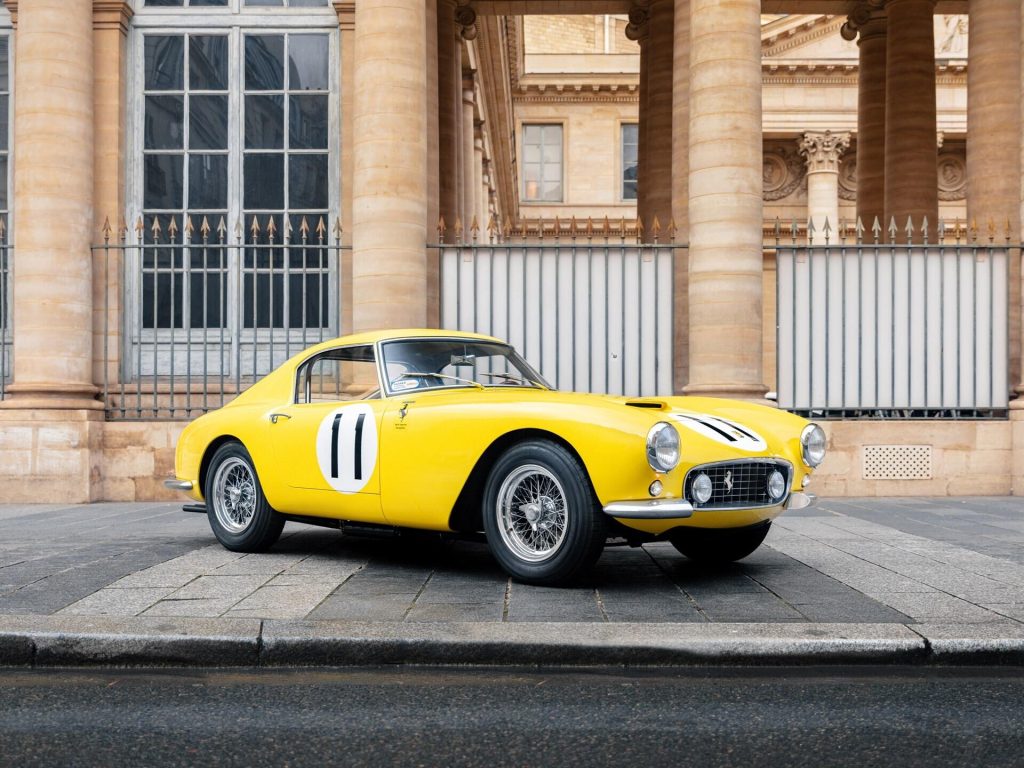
x,y
372,337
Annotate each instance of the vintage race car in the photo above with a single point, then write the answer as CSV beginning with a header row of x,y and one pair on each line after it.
x,y
455,432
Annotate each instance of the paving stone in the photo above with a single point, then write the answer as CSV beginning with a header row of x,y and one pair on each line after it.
x,y
279,602
364,608
117,602
198,607
936,606
456,612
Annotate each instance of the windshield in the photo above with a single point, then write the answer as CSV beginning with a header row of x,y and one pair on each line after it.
x,y
419,364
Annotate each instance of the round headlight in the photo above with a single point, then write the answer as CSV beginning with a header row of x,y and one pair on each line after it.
x,y
702,488
776,485
812,439
663,447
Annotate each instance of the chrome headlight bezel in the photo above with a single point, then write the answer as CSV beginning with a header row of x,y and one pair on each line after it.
x,y
663,447
813,445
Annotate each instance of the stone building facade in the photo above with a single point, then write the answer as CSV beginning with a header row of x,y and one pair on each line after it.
x,y
172,163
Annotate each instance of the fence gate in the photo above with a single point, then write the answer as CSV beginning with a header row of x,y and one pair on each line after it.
x,y
893,331
590,318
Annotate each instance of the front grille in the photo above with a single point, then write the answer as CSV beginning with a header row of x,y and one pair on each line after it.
x,y
748,479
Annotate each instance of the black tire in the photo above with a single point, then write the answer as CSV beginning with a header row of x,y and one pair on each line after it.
x,y
556,539
719,545
236,507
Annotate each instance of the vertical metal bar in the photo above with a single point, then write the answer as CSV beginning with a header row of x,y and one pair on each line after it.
x,y
239,278
223,262
255,305
156,335
558,313
476,290
991,328
622,325
778,321
639,321
305,287
572,310
842,325
892,323
860,324
170,381
828,315
924,305
877,366
186,322
286,300
590,313
809,249
122,367
540,311
106,325
526,336
974,326
959,391
508,293
206,323
607,331
137,280
793,315
271,321
910,324
942,326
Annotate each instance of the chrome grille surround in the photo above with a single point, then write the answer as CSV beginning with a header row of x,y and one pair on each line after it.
x,y
749,479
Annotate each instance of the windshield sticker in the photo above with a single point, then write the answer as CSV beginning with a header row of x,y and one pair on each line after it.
x,y
402,384
346,447
722,430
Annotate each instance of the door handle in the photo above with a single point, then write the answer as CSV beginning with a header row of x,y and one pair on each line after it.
x,y
275,416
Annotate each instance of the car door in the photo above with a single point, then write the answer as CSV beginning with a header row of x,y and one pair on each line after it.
x,y
328,442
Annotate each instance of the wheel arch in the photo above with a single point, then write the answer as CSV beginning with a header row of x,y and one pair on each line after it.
x,y
211,449
466,513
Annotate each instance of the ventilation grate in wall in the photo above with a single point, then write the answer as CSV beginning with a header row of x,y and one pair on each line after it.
x,y
897,462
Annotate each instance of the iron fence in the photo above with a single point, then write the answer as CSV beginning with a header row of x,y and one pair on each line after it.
x,y
591,314
195,321
5,311
888,330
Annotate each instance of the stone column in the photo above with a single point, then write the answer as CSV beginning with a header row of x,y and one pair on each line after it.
x,y
449,85
871,117
681,189
637,30
390,174
993,131
346,31
478,184
53,203
910,147
725,199
110,25
468,177
433,164
660,39
822,151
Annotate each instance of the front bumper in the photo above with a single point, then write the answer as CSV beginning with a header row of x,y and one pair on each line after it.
x,y
672,509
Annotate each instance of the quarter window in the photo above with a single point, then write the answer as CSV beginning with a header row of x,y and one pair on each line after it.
x,y
542,163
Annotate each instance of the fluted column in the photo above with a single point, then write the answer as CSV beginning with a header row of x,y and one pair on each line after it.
x,y
478,185
449,85
872,44
681,189
660,40
468,177
637,30
725,199
390,173
53,203
822,151
910,147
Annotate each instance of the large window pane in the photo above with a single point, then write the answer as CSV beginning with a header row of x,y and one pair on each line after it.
x,y
308,122
307,181
264,62
264,181
208,122
163,181
208,181
208,63
165,62
542,162
264,122
307,62
629,160
164,122
3,182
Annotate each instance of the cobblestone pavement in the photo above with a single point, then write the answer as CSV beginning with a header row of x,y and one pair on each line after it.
x,y
845,561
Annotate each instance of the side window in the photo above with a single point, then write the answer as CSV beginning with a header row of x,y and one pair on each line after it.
x,y
338,375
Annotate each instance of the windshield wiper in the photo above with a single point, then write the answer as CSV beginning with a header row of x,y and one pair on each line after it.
x,y
414,374
509,377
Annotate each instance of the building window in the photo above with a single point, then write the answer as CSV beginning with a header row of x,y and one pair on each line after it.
x,y
237,125
630,133
542,163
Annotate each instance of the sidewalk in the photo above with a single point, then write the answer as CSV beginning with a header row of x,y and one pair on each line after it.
x,y
870,580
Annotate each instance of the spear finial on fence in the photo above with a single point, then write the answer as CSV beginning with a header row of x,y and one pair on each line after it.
x,y
172,229
655,228
589,229
286,236
255,229
827,230
321,229
844,230
973,230
139,229
474,227
222,229
672,229
1007,232
506,229
793,229
492,228
573,229
122,231
811,231
940,231
457,231
858,231
204,228
271,229
876,230
106,229
558,228
441,229
991,230
892,229
956,230
189,229
338,231
777,230
155,229
909,231
607,229
924,230
639,229
304,229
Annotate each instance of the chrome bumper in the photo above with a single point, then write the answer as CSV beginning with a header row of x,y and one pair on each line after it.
x,y
178,485
800,500
649,509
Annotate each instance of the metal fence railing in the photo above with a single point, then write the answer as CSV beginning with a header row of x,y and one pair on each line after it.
x,y
197,320
5,311
887,330
592,314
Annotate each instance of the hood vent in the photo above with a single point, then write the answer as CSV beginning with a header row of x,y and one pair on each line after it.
x,y
654,404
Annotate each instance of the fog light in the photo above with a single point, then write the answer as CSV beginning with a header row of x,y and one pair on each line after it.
x,y
655,489
776,485
702,488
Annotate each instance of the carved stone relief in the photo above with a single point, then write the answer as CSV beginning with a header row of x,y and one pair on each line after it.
x,y
784,170
848,177
952,173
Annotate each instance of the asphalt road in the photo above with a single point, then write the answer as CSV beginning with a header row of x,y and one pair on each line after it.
x,y
412,717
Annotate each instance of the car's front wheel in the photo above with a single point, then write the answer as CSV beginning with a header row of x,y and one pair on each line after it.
x,y
719,545
542,521
236,507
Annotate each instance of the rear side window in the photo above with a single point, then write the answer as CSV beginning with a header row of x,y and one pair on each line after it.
x,y
343,374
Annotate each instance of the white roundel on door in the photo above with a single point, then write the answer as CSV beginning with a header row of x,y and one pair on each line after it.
x,y
722,430
346,447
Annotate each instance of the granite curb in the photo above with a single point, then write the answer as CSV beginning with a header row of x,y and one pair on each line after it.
x,y
50,641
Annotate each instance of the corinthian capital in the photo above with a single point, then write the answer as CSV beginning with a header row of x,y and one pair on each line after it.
x,y
822,150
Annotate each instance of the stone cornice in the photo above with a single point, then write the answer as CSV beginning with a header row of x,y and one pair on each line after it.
x,y
12,8
111,14
813,29
575,93
346,10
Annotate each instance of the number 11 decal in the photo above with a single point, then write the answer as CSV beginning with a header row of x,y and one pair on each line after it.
x,y
346,447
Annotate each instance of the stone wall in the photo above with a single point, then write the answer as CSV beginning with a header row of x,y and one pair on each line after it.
x,y
137,457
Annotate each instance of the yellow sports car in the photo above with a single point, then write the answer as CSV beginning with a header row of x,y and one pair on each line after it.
x,y
450,431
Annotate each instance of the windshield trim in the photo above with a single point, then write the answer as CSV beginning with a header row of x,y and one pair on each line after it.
x,y
539,383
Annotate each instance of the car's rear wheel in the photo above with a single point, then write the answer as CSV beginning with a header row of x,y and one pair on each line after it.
x,y
236,507
542,521
719,545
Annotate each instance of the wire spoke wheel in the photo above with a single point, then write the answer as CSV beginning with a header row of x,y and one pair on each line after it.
x,y
234,495
532,513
